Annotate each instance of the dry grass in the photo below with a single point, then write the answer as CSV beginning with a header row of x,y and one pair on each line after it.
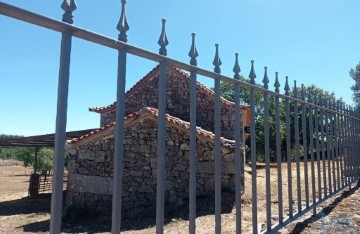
x,y
19,214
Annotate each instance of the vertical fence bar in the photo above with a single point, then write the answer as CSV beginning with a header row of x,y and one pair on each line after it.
x,y
311,148
336,145
332,144
351,125
160,196
267,151
252,77
61,118
345,143
357,143
311,130
322,130
278,149
217,63
303,117
238,140
328,152
348,126
123,27
288,147
340,136
297,148
316,113
192,187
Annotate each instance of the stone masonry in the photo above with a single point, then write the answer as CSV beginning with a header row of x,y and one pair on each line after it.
x,y
90,164
145,94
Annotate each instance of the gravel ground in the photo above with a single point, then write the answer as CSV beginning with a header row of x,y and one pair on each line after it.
x,y
339,214
21,214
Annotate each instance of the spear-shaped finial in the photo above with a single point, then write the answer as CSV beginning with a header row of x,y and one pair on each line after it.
x,y
287,87
303,92
330,103
295,90
123,26
163,41
68,6
217,61
310,96
341,107
193,51
265,79
315,96
320,103
325,102
252,74
236,68
277,83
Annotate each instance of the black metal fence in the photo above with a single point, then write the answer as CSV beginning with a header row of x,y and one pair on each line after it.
x,y
321,135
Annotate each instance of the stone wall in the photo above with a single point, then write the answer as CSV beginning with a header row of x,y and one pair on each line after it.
x,y
90,169
178,103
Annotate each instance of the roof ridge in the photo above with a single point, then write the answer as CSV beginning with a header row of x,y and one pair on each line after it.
x,y
150,112
111,106
150,74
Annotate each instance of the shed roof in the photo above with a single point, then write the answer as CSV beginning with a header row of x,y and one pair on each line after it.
x,y
146,113
47,140
154,73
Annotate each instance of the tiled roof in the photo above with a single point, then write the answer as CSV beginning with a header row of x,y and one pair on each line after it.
x,y
153,73
147,113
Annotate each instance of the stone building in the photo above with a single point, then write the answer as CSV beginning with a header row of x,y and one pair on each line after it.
x,y
90,164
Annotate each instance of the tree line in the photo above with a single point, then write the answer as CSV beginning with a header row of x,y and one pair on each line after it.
x,y
45,156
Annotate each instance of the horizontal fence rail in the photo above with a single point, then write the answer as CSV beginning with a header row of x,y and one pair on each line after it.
x,y
312,141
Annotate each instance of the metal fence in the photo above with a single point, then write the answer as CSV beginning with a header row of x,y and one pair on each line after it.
x,y
326,132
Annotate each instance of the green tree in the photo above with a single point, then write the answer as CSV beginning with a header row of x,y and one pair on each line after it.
x,y
45,160
227,91
355,75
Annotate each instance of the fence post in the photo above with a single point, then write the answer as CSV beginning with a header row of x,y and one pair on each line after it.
x,y
238,137
217,63
316,113
123,27
160,196
61,117
192,187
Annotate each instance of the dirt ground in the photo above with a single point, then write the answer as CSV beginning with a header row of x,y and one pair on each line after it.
x,y
20,213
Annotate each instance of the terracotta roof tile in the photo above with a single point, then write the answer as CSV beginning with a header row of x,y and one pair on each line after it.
x,y
150,113
154,72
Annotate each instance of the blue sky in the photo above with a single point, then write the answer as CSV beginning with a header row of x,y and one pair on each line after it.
x,y
313,42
